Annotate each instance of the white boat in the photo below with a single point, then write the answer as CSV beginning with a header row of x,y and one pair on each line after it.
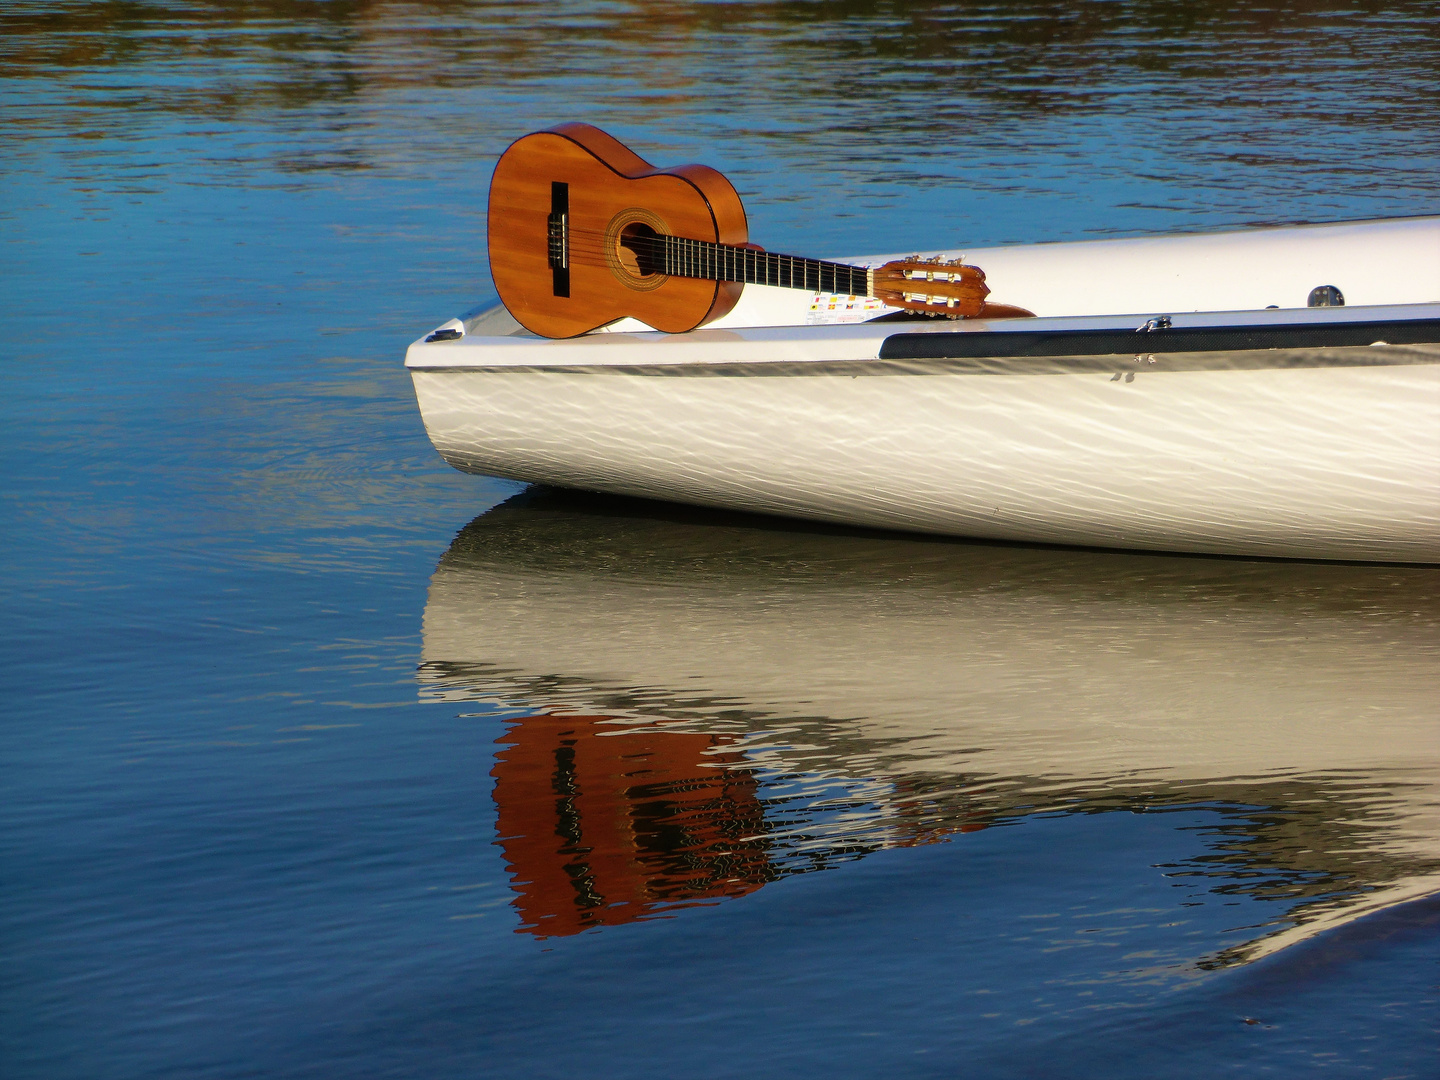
x,y
1174,393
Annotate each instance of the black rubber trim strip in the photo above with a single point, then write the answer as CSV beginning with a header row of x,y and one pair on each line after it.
x,y
1005,343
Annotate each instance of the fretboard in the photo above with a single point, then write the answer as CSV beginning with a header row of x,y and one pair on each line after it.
x,y
722,262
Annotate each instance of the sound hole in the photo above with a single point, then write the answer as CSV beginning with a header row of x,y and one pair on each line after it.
x,y
641,250
634,248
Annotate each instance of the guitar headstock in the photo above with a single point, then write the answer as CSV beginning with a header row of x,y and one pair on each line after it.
x,y
933,286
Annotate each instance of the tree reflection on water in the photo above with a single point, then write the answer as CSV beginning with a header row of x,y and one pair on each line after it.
x,y
882,91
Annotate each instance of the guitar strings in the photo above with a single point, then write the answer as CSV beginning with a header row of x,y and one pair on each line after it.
x,y
656,245
659,239
594,242
711,260
731,262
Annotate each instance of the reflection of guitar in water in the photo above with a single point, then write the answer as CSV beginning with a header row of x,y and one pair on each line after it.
x,y
584,232
602,826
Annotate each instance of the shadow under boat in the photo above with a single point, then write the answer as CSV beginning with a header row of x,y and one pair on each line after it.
x,y
704,702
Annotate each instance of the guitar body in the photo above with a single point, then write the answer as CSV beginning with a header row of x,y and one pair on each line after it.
x,y
605,191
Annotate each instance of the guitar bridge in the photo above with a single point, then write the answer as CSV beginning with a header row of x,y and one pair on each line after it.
x,y
558,228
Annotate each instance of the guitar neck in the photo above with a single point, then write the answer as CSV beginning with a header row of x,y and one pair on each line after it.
x,y
723,262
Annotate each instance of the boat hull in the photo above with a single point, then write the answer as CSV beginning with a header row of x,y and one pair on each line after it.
x,y
1313,453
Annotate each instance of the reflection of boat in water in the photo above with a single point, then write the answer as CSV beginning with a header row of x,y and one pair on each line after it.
x,y
1221,426
743,701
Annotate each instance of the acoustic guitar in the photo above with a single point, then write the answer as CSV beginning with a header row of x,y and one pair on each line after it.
x,y
584,232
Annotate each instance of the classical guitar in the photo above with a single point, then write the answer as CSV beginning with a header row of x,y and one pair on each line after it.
x,y
584,232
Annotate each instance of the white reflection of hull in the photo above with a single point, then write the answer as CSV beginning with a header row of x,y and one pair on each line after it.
x,y
958,680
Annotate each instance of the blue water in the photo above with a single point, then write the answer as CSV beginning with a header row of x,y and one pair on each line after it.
x,y
250,828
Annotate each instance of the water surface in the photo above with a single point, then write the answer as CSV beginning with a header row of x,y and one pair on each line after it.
x,y
324,760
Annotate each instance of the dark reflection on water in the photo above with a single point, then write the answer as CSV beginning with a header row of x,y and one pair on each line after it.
x,y
722,700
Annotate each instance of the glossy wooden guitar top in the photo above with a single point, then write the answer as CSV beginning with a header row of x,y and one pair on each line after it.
x,y
609,189
584,232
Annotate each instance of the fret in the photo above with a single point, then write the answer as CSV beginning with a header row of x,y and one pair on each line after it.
x,y
684,257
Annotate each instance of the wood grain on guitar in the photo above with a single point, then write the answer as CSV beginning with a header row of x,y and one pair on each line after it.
x,y
584,232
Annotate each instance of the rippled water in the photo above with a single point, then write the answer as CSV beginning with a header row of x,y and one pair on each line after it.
x,y
323,760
